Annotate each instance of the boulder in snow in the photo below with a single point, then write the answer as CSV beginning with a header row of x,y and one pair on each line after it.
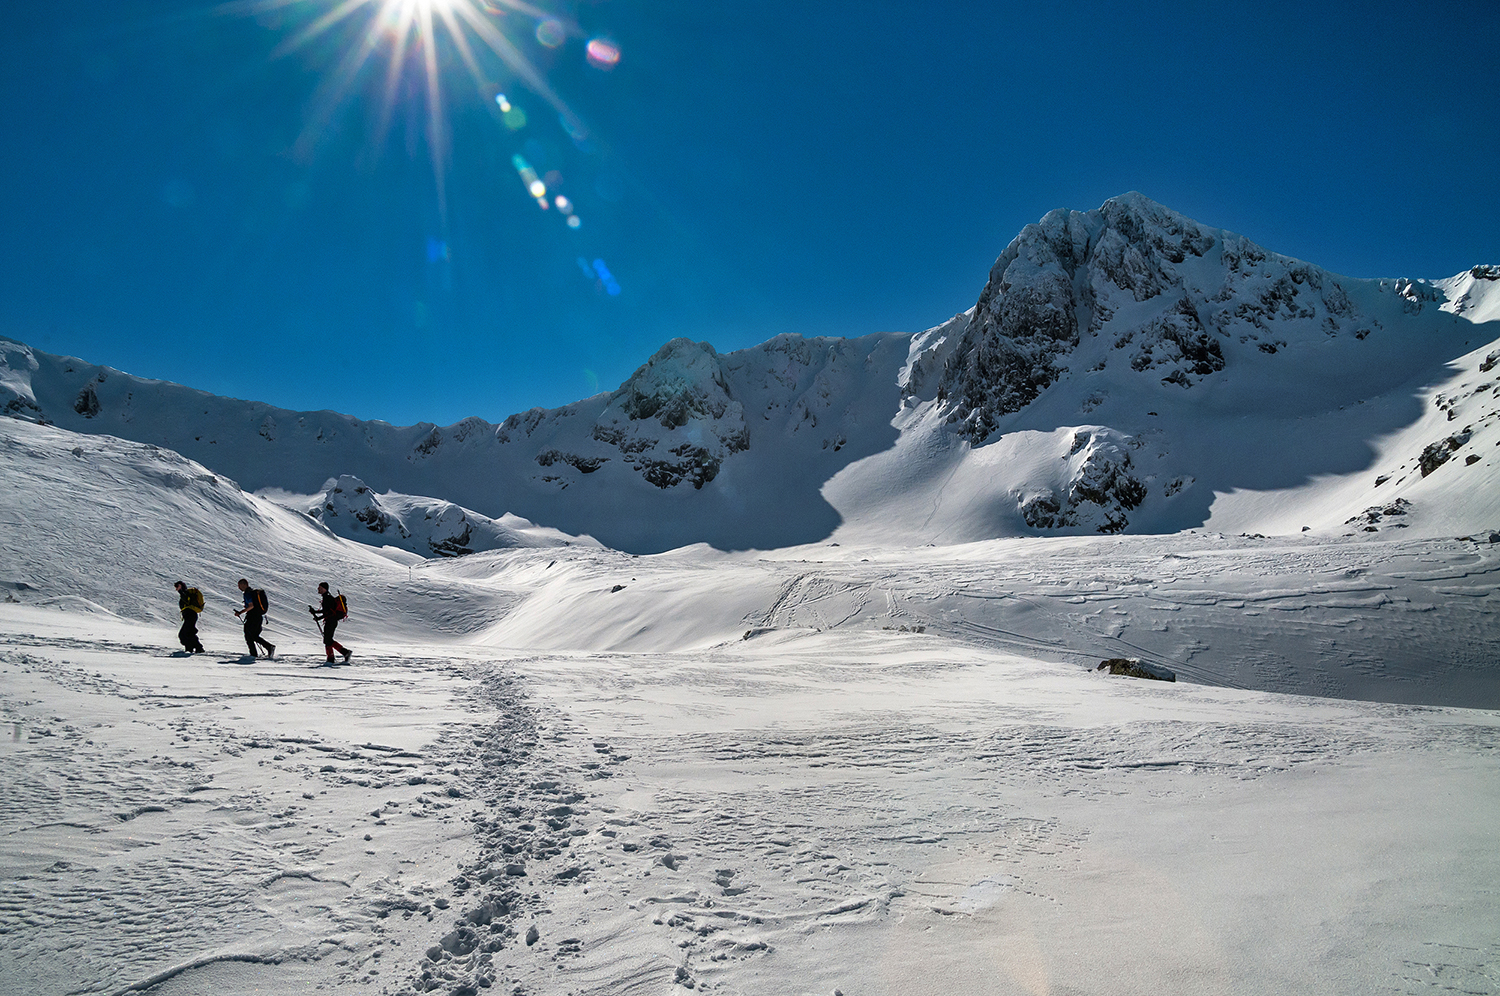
x,y
1132,667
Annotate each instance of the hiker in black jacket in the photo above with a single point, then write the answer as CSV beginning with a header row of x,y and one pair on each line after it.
x,y
255,617
330,614
190,602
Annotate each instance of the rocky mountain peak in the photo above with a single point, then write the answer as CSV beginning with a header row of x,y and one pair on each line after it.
x,y
1168,292
683,381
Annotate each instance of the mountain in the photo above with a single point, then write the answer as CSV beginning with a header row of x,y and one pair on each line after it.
x,y
429,527
695,447
1123,369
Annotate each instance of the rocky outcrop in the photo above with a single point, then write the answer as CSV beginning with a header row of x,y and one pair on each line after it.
x,y
87,404
1371,517
350,504
1133,667
430,527
674,420
1438,453
1100,487
1166,292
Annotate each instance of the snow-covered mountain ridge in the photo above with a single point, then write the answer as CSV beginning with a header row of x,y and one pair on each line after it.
x,y
1124,369
429,527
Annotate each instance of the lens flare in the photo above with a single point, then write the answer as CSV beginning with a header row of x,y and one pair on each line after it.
x,y
603,53
606,279
534,186
416,38
551,32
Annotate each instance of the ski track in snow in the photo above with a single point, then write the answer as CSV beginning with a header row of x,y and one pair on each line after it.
x,y
871,770
790,798
156,827
657,818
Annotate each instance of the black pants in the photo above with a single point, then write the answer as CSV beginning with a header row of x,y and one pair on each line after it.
x,y
188,634
253,623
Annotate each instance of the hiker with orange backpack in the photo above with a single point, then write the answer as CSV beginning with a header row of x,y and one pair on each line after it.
x,y
254,612
334,608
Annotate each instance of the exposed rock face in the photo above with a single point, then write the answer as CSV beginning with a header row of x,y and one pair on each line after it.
x,y
1438,453
1165,291
1100,491
1371,517
350,501
674,419
449,533
430,527
1132,667
87,404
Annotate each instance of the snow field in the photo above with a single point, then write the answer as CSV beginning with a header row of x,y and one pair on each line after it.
x,y
168,815
733,773
842,813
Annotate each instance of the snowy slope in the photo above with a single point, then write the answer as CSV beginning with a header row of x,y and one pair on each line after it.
x,y
100,527
695,446
429,527
1474,294
881,770
1124,369
1130,369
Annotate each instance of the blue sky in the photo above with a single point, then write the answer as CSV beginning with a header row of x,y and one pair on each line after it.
x,y
750,168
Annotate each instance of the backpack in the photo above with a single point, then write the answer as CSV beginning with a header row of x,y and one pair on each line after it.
x,y
259,600
343,606
194,599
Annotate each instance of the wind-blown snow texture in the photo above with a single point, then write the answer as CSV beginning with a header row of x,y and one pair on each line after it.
x,y
877,770
1124,370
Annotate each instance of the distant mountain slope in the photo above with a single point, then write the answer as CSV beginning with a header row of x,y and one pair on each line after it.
x,y
1123,369
695,447
430,527
95,524
1128,368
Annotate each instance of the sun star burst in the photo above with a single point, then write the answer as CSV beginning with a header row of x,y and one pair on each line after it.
x,y
406,34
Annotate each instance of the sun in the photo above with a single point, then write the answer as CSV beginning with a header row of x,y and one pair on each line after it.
x,y
405,34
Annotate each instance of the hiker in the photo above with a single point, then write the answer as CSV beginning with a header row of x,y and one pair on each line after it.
x,y
190,601
334,608
254,612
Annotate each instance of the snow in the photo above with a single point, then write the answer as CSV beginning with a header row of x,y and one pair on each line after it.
x,y
1222,386
828,721
868,768
1473,294
425,526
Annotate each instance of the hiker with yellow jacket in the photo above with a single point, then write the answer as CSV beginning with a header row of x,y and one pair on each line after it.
x,y
190,602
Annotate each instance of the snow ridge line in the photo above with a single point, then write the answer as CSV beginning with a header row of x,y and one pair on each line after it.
x,y
200,962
